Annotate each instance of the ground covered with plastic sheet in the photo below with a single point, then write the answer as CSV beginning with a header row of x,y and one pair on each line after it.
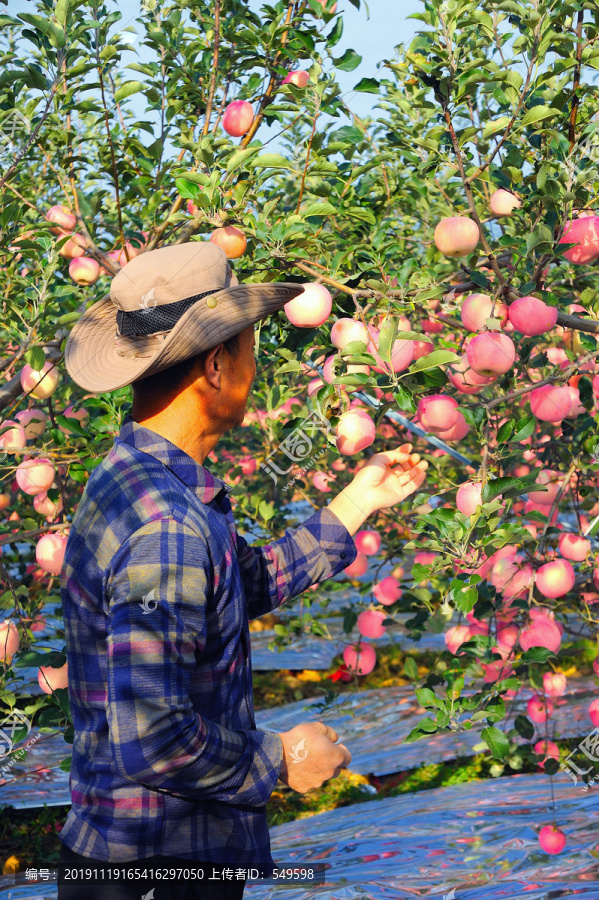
x,y
479,840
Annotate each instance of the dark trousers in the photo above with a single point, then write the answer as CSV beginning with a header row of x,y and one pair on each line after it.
x,y
227,889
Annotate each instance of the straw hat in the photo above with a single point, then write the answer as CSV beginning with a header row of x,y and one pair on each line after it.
x,y
165,306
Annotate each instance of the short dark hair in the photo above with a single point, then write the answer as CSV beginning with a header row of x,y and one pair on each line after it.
x,y
168,381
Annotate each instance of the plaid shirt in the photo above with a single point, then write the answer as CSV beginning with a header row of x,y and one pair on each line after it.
x,y
157,589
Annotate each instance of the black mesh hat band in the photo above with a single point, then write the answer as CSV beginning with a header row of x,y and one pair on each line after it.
x,y
150,319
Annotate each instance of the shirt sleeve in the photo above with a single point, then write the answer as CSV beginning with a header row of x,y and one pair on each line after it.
x,y
318,549
157,596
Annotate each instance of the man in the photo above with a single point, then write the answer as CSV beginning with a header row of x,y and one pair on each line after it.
x,y
157,589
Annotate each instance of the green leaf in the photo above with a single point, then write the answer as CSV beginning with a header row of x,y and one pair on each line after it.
x,y
538,113
423,729
496,741
368,86
387,337
410,667
321,209
36,358
272,161
536,655
65,764
128,89
524,727
507,487
434,360
240,157
524,429
348,62
426,697
404,399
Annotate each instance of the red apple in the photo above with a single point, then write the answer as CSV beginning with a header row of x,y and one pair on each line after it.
x,y
75,246
355,432
310,309
14,437
437,412
370,623
33,421
491,354
465,379
35,475
344,331
503,203
550,402
238,117
299,78
51,679
574,547
551,839
63,218
555,578
456,236
49,552
368,542
456,636
469,497
539,709
388,590
358,567
530,316
230,239
476,309
9,641
584,232
362,660
84,270
40,383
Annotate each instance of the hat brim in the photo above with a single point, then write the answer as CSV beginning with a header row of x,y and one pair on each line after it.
x,y
94,363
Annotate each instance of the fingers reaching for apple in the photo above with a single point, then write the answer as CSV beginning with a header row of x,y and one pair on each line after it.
x,y
391,476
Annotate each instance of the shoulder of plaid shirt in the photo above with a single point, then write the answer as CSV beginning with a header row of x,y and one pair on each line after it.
x,y
157,591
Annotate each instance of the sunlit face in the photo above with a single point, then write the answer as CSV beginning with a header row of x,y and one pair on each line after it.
x,y
239,371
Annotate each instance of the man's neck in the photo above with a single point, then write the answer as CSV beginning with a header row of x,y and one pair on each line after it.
x,y
188,432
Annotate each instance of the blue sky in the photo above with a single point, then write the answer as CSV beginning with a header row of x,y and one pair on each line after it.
x,y
372,35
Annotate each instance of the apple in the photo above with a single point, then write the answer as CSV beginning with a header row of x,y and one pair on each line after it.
x,y
594,712
402,353
456,236
40,383
299,78
574,547
555,578
238,117
230,239
465,379
132,248
548,749
84,270
584,232
358,567
456,636
46,507
52,679
361,660
503,203
554,684
552,839
541,632
35,475
355,432
576,407
539,709
75,246
329,376
496,671
368,542
388,590
14,437
320,480
49,552
63,218
469,497
344,331
370,623
550,402
33,421
437,412
552,481
530,316
491,353
457,432
4,501
9,641
476,309
328,7
310,309
192,209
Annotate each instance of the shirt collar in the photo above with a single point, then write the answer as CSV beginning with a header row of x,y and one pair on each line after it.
x,y
205,485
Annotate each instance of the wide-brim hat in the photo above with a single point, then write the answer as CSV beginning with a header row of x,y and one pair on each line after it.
x,y
165,306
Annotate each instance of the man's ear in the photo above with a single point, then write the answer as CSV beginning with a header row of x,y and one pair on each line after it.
x,y
213,366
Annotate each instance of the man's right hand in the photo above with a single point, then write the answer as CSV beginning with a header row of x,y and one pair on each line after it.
x,y
311,756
